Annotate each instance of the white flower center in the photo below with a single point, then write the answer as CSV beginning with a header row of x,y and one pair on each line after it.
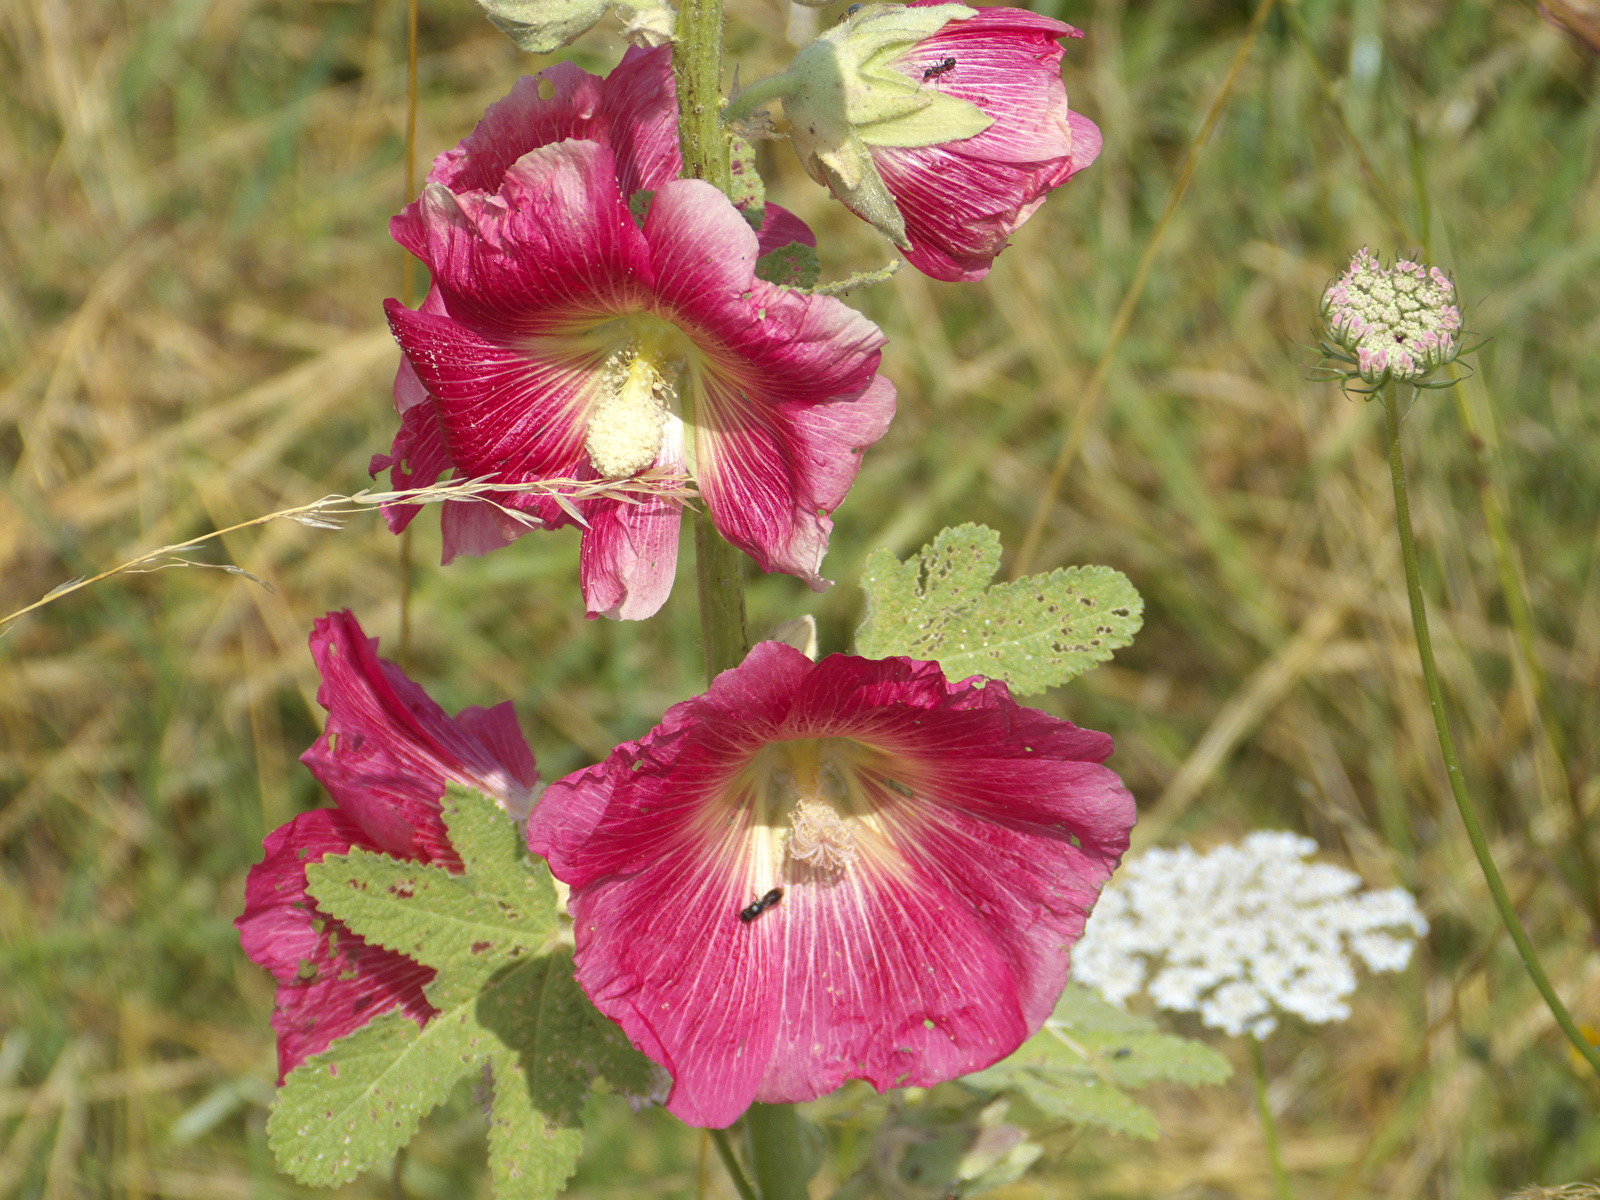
x,y
820,837
625,424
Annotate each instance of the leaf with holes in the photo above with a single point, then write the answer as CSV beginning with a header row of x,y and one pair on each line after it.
x,y
1033,633
509,1011
1074,1068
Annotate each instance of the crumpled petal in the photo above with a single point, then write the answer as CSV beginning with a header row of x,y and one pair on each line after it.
x,y
936,951
330,981
385,757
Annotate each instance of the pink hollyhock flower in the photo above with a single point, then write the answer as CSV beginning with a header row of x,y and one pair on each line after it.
x,y
943,125
820,872
629,550
385,756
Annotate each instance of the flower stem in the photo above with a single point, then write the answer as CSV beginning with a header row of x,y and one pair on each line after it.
x,y
697,64
757,94
1447,746
777,1144
1269,1123
720,568
725,1151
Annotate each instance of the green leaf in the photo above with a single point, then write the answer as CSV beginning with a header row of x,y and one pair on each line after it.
x,y
509,1008
1074,1067
1033,633
795,265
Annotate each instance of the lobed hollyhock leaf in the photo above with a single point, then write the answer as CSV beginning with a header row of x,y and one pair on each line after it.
x,y
1032,633
1074,1067
795,265
508,1007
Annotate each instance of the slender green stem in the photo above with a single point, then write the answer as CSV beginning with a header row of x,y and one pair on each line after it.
x,y
757,94
1447,746
1269,1123
720,568
719,1138
777,1144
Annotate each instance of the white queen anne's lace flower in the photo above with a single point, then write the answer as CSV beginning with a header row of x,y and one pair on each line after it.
x,y
1242,932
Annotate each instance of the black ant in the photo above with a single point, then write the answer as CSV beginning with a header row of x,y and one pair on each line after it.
x,y
939,69
760,906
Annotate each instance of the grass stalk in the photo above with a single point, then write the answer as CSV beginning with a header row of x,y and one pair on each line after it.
x,y
1269,1123
1447,746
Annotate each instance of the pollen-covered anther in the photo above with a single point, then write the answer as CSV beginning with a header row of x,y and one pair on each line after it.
x,y
626,423
820,837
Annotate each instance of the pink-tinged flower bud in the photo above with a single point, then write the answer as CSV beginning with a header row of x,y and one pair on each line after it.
x,y
385,756
815,872
1400,322
942,125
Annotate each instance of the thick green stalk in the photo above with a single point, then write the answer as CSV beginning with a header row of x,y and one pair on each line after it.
x,y
777,1144
1269,1123
720,571
1447,745
697,65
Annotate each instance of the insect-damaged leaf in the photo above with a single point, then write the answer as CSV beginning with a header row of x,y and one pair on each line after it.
x,y
1075,1067
1033,633
509,1012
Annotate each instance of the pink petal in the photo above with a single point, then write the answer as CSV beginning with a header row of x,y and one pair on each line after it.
x,y
906,974
779,228
634,111
418,456
474,528
388,749
629,557
790,394
330,981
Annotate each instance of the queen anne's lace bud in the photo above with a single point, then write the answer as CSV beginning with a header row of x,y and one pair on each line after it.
x,y
1400,322
1241,932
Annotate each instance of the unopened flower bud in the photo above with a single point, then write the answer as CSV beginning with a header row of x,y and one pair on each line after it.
x,y
1399,322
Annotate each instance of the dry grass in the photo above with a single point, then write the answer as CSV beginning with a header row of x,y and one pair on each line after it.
x,y
192,256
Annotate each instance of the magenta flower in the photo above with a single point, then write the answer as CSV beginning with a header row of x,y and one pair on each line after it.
x,y
942,125
820,872
566,339
385,756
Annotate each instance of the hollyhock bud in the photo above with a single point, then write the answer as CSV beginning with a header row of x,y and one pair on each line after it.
x,y
1400,323
385,757
942,125
852,869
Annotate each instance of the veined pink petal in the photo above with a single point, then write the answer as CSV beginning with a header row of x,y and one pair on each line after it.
x,y
970,838
789,395
629,556
330,981
475,528
388,750
634,111
385,757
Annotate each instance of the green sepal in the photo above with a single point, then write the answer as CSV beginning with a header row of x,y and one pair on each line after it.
x,y
540,26
1033,633
1074,1068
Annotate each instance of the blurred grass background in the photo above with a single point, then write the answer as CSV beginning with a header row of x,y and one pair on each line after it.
x,y
193,251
